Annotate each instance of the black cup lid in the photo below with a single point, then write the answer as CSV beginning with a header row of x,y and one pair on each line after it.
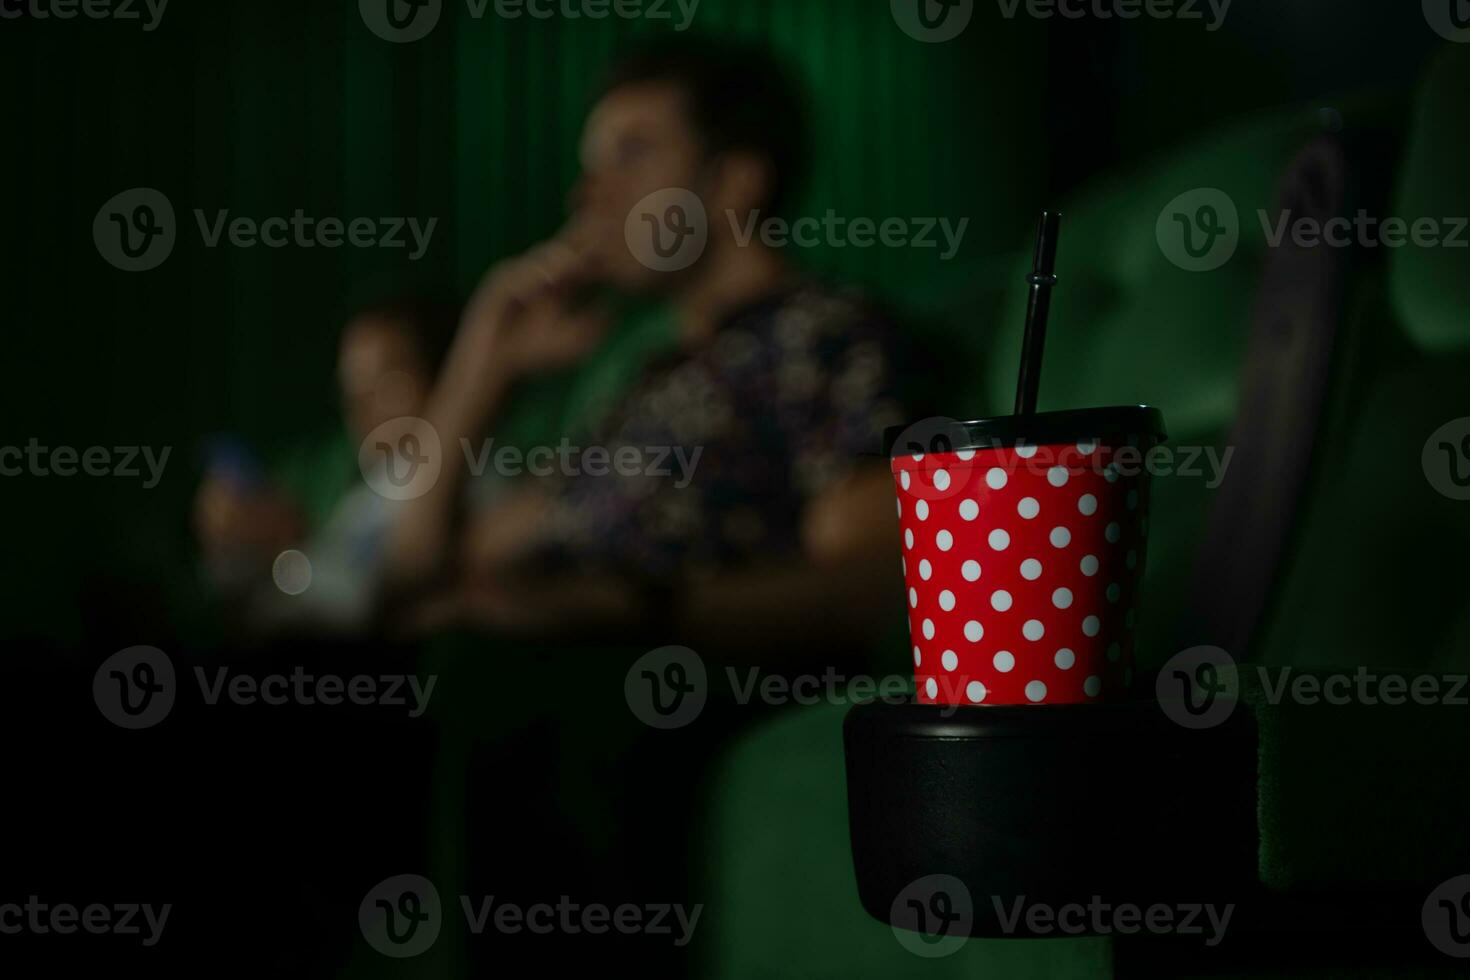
x,y
939,434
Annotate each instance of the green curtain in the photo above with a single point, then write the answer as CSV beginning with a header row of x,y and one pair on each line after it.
x,y
263,107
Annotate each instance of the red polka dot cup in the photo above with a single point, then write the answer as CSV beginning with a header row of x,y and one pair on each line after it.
x,y
1023,548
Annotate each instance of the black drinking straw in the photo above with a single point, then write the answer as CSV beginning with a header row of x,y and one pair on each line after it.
x,y
1041,279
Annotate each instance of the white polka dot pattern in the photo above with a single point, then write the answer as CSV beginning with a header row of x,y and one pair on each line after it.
x,y
1025,573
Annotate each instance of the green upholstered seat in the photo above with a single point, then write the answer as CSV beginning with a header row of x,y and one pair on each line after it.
x,y
1377,575
778,833
1351,798
1430,287
1128,325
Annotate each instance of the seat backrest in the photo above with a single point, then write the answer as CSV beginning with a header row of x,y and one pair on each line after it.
x,y
1430,286
1377,576
1284,377
1131,324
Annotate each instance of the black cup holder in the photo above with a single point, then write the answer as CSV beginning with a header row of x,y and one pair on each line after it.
x,y
1046,804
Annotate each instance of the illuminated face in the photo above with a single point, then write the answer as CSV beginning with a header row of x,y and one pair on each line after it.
x,y
637,141
381,373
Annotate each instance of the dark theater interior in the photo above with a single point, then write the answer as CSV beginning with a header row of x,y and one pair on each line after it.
x,y
735,488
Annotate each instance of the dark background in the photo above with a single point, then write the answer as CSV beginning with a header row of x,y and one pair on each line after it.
x,y
265,106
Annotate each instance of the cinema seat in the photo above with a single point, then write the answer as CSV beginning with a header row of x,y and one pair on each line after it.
x,y
1359,806
1363,796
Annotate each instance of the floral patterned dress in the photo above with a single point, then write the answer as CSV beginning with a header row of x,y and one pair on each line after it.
x,y
732,440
